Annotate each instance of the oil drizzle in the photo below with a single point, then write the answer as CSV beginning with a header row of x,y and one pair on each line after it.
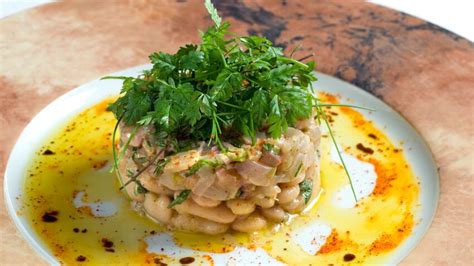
x,y
77,159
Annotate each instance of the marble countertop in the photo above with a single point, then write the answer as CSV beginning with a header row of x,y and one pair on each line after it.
x,y
422,70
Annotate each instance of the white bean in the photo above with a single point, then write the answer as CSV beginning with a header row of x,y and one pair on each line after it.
x,y
295,205
205,202
251,223
275,213
151,183
240,206
297,180
196,224
288,194
157,207
220,214
269,191
265,202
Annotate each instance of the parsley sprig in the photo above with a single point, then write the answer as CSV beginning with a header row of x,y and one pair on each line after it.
x,y
222,89
218,89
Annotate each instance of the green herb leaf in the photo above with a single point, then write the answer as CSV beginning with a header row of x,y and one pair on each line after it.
x,y
160,166
213,12
162,63
182,196
276,119
236,154
239,193
299,169
306,188
192,60
271,148
226,83
195,167
140,188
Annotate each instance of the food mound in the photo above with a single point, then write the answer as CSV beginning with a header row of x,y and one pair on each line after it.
x,y
242,188
218,136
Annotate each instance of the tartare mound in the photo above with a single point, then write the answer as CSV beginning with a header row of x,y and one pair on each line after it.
x,y
211,191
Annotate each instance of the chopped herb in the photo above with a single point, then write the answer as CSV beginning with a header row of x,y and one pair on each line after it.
x,y
183,195
160,166
195,167
236,142
271,148
299,169
137,158
130,172
268,147
306,188
236,154
140,188
239,193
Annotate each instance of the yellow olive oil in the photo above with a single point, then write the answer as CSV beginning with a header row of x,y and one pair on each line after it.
x,y
78,157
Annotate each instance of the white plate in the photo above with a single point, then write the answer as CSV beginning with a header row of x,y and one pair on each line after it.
x,y
73,102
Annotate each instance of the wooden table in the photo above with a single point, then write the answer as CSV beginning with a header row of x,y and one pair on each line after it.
x,y
423,71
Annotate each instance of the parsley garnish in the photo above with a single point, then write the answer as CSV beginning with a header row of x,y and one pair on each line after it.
x,y
221,87
220,90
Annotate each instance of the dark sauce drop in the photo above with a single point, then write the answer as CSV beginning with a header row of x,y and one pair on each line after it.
x,y
349,257
157,261
48,152
50,217
372,136
186,260
364,149
107,243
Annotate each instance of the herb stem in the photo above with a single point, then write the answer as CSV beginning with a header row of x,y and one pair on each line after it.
x,y
346,105
114,77
292,61
323,114
125,147
306,57
232,105
114,150
134,177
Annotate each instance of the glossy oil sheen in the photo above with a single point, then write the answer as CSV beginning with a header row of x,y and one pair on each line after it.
x,y
368,233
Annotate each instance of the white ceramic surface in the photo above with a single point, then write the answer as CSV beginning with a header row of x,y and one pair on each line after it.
x,y
394,125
